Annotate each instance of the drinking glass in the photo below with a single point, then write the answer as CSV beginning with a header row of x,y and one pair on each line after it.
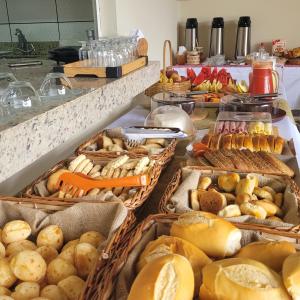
x,y
83,51
56,85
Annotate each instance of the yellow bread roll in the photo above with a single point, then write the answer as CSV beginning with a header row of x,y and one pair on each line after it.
x,y
167,277
52,180
4,291
53,292
262,193
219,238
230,198
26,290
269,189
92,237
14,231
165,245
7,277
204,183
241,279
241,198
230,211
271,208
70,244
48,253
2,250
291,275
59,269
245,186
51,235
228,182
251,209
270,253
28,265
254,178
16,247
72,287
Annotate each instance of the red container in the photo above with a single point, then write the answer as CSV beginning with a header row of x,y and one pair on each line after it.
x,y
261,81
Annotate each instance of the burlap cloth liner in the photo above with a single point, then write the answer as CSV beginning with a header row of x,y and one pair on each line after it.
x,y
128,272
179,202
104,217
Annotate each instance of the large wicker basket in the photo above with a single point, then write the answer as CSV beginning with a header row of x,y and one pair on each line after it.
x,y
137,200
163,158
165,203
110,247
105,285
176,87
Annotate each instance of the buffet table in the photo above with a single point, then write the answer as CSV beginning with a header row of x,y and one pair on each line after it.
x,y
289,85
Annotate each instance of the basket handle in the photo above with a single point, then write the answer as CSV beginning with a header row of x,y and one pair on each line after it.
x,y
167,43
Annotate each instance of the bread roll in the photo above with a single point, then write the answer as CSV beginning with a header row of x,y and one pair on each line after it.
x,y
212,201
262,193
241,198
271,142
2,250
255,141
278,145
251,209
270,190
230,211
271,208
166,277
241,279
75,162
245,186
26,290
16,247
5,297
48,253
92,237
226,141
291,274
40,298
28,265
53,292
270,253
58,270
228,182
204,183
165,245
51,235
254,178
4,291
52,180
219,238
72,287
194,201
240,140
7,277
248,142
70,244
14,231
230,198
263,143
69,254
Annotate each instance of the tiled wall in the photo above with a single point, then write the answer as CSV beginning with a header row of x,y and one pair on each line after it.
x,y
45,20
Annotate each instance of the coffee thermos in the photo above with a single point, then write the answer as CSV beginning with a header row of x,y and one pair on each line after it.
x,y
243,37
217,37
191,34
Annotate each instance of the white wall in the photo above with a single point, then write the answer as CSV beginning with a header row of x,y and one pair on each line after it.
x,y
156,18
270,19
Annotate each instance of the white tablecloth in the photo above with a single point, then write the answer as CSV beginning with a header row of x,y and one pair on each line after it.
x,y
289,80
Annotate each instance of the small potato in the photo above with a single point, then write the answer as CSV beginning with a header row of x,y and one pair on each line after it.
x,y
5,297
53,292
69,244
28,265
2,250
85,258
92,237
52,235
48,253
72,286
26,290
7,277
16,247
68,254
4,291
58,270
15,231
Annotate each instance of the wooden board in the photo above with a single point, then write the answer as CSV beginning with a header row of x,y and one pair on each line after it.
x,y
85,67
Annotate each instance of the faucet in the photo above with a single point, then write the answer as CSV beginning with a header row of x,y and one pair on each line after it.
x,y
23,44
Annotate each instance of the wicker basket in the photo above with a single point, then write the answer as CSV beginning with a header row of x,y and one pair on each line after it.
x,y
176,181
107,252
105,285
163,158
176,87
134,202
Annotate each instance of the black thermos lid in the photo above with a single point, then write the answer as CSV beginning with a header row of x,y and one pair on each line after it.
x,y
218,22
191,23
245,21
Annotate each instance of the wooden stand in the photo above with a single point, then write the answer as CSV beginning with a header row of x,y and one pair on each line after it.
x,y
84,67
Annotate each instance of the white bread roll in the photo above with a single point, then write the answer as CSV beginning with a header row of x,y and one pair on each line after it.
x,y
270,253
165,245
213,235
291,275
168,277
241,279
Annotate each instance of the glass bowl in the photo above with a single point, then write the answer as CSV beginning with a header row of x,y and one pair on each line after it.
x,y
170,116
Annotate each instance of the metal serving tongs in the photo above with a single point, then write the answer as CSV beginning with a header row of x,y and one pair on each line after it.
x,y
78,183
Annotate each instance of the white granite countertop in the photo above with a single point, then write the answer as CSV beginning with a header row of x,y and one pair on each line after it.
x,y
28,141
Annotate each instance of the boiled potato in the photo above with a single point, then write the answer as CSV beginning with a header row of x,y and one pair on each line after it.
x,y
69,244
72,286
53,292
50,236
15,231
92,237
85,258
4,297
28,265
26,290
68,254
7,277
48,253
2,250
4,291
58,270
16,247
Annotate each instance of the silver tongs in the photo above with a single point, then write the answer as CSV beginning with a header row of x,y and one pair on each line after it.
x,y
247,98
